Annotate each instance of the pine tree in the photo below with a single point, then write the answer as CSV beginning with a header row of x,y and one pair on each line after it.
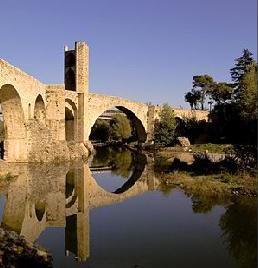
x,y
242,65
201,84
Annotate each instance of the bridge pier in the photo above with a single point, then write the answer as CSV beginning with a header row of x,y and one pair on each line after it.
x,y
150,123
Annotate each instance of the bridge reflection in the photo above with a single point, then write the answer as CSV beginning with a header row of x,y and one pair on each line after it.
x,y
45,196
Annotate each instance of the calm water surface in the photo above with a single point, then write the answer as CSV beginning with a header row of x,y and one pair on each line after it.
x,y
115,212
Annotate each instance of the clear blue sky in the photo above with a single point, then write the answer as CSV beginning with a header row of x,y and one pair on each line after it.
x,y
146,50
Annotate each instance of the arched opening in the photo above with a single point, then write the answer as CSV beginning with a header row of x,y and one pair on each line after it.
x,y
29,111
118,124
40,209
13,140
40,110
70,61
70,121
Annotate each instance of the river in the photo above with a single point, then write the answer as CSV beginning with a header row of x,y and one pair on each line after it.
x,y
114,211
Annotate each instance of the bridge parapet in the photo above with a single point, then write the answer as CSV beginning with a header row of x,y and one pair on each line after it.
x,y
183,113
26,86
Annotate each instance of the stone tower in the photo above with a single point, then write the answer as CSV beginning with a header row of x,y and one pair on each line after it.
x,y
77,79
77,68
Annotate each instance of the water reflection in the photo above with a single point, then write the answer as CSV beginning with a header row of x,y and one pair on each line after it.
x,y
61,196
239,228
44,196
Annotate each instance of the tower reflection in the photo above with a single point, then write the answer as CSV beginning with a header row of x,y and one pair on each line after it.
x,y
62,195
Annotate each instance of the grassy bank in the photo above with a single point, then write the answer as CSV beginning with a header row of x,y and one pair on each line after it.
x,y
195,148
212,185
198,174
211,148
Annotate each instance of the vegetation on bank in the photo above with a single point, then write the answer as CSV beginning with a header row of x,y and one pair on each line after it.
x,y
196,148
165,127
224,184
224,177
231,131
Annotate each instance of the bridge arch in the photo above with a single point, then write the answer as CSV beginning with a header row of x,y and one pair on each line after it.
x,y
71,120
136,112
136,123
40,109
14,124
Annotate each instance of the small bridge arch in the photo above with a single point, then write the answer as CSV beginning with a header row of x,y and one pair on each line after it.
x,y
71,120
40,110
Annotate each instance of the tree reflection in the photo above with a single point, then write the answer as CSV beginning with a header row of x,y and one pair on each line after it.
x,y
203,203
123,162
239,226
120,160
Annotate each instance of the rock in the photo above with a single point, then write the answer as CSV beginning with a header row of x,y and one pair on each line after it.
x,y
183,141
15,251
215,157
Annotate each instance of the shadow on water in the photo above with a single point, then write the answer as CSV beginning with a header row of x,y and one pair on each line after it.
x,y
44,196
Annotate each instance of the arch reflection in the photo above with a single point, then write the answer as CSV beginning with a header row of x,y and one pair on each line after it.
x,y
45,196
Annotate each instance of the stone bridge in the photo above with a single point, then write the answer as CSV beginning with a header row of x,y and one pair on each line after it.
x,y
62,195
48,122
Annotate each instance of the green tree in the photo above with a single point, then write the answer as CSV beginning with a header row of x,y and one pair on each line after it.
x,y
101,131
220,92
120,127
235,104
193,97
202,84
164,131
247,93
242,65
189,98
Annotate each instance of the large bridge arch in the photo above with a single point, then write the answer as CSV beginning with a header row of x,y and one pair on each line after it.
x,y
137,113
14,124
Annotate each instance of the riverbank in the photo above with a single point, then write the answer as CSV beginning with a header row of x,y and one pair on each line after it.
x,y
223,184
203,172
